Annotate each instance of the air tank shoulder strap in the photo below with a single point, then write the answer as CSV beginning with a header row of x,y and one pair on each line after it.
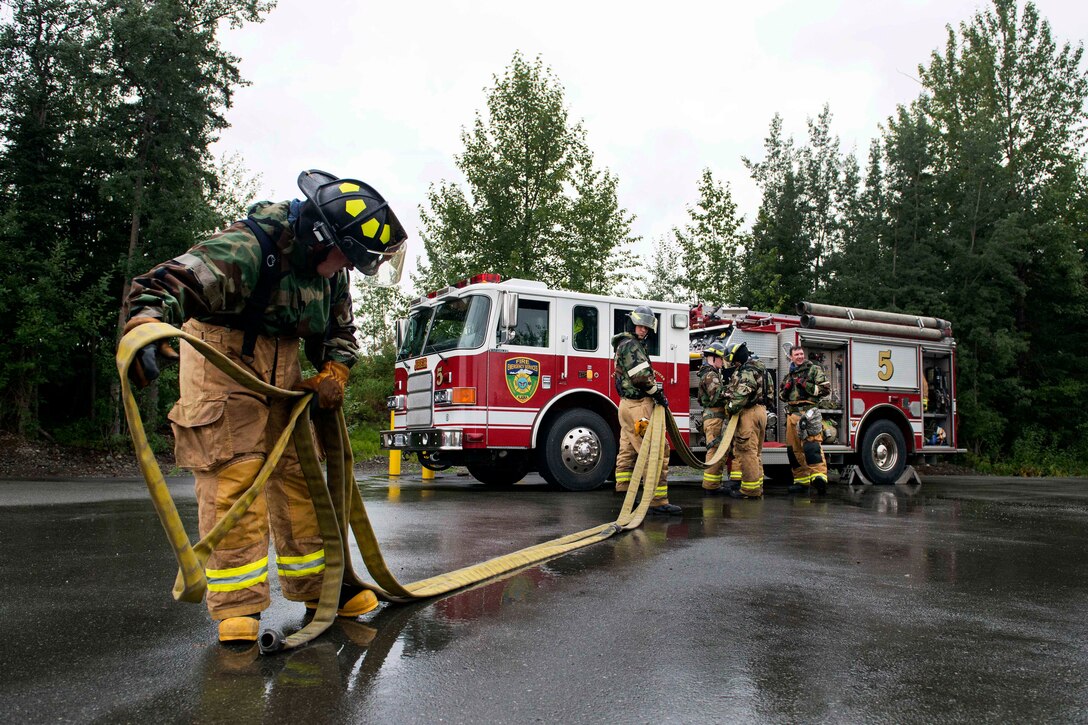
x,y
267,277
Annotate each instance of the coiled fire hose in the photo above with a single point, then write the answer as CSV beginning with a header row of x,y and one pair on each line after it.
x,y
339,506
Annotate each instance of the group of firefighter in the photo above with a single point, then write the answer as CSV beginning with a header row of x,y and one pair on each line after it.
x,y
724,392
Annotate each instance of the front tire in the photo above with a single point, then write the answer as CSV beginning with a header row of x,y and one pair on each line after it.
x,y
578,451
883,452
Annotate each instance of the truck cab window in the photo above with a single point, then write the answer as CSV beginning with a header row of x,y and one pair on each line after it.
x,y
584,328
533,324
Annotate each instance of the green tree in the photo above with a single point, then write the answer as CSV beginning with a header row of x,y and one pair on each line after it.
x,y
534,206
1008,106
664,279
377,310
820,166
778,261
711,245
108,108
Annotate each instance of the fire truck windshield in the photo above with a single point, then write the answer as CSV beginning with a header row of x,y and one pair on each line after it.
x,y
418,322
457,323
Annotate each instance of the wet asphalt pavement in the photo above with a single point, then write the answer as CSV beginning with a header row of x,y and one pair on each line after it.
x,y
962,600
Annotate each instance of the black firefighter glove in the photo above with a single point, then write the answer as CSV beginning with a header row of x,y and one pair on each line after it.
x,y
658,397
145,366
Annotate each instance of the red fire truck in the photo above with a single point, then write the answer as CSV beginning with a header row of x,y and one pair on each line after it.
x,y
505,377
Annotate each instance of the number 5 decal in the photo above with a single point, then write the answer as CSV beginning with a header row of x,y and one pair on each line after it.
x,y
884,362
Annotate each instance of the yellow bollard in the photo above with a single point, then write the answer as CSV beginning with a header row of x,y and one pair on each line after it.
x,y
428,474
394,455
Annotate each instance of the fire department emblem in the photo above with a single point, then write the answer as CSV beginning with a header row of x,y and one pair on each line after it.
x,y
522,377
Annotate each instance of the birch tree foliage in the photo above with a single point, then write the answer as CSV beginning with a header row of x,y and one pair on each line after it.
x,y
533,203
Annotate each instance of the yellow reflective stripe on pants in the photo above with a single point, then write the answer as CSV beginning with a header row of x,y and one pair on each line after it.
x,y
711,478
804,480
751,487
239,577
301,565
623,476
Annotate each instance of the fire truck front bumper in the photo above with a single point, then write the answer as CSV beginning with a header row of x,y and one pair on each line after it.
x,y
423,439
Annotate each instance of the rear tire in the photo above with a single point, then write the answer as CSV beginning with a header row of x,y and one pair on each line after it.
x,y
498,474
578,451
883,452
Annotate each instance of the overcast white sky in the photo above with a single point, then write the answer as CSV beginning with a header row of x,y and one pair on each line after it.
x,y
381,91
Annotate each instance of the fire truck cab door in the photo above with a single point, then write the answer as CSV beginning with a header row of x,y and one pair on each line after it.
x,y
583,351
522,373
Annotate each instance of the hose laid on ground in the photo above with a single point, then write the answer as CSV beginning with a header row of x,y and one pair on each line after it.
x,y
337,502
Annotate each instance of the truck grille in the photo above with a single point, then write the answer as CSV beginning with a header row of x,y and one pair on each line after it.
x,y
420,398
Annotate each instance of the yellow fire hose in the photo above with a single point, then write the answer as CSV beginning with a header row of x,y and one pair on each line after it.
x,y
339,506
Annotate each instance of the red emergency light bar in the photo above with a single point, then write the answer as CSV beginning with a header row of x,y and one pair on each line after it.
x,y
476,279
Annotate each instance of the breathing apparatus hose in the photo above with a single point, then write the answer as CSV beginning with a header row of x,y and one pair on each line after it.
x,y
338,504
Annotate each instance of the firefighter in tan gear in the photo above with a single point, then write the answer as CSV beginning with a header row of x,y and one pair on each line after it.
x,y
803,388
712,398
639,391
744,398
253,291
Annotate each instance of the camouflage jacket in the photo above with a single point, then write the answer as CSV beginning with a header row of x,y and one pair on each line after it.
x,y
634,375
212,281
711,390
804,386
745,389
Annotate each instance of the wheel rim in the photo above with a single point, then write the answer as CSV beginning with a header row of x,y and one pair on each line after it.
x,y
885,452
581,450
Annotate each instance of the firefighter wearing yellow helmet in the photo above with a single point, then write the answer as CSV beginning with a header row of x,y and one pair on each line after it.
x,y
252,291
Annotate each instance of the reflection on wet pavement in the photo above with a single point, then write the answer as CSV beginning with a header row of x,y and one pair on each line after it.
x,y
899,603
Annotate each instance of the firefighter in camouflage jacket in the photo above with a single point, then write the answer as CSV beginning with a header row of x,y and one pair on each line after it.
x,y
803,388
253,291
639,391
744,398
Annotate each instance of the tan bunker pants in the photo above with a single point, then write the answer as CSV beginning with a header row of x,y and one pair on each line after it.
x,y
631,443
748,449
223,433
712,431
806,454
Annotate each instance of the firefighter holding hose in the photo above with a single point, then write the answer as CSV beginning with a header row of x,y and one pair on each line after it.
x,y
252,291
639,391
744,398
712,398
